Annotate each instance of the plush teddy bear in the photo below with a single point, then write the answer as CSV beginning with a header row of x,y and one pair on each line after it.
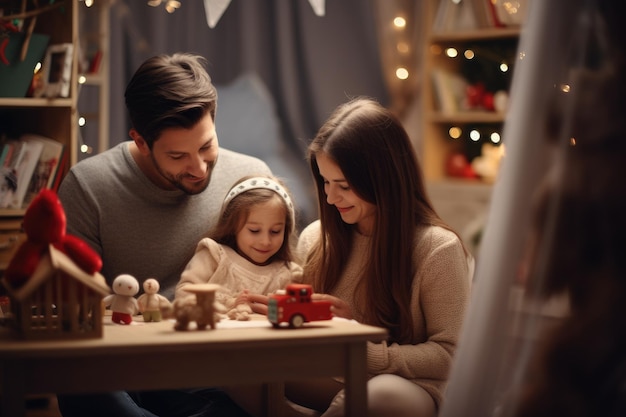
x,y
123,302
44,224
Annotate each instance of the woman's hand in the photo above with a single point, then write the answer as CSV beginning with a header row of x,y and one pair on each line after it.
x,y
338,307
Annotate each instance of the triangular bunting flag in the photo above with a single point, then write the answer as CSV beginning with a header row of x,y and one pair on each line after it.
x,y
319,7
214,9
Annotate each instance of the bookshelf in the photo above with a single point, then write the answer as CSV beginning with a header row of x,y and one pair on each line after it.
x,y
54,118
464,99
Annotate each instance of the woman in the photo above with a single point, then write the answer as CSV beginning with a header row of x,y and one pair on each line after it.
x,y
383,257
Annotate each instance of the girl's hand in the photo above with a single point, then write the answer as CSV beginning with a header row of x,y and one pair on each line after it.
x,y
258,303
338,307
242,298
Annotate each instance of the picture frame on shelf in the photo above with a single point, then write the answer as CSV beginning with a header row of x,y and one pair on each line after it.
x,y
56,73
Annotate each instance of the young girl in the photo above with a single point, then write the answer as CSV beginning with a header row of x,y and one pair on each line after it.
x,y
249,251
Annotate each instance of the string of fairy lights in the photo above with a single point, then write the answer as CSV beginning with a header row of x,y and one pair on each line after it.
x,y
84,148
401,59
401,62
214,9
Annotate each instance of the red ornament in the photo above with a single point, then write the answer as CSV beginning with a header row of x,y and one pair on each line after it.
x,y
457,164
474,94
488,101
468,172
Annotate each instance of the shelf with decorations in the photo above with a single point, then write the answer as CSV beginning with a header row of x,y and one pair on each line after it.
x,y
469,56
38,101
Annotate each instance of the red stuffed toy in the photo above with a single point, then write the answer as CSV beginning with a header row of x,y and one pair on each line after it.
x,y
44,224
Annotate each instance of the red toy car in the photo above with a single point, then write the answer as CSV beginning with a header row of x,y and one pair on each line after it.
x,y
296,307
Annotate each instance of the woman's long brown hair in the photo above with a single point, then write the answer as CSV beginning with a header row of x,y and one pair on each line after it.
x,y
375,154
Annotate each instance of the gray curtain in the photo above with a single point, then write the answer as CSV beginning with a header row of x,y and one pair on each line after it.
x,y
309,63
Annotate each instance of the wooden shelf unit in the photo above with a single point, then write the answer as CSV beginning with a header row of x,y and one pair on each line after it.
x,y
55,118
437,120
460,202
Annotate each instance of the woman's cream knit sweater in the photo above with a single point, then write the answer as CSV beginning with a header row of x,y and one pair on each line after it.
x,y
440,294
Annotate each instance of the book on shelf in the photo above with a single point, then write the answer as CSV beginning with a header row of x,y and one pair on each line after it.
x,y
10,150
440,15
449,90
94,64
89,49
458,15
17,173
89,61
455,16
47,166
485,14
58,176
6,153
8,178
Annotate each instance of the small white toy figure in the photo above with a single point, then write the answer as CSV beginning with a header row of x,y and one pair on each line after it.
x,y
151,303
123,303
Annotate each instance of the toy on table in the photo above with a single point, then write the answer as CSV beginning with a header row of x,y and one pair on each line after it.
x,y
44,224
201,307
53,283
150,302
296,307
241,310
123,302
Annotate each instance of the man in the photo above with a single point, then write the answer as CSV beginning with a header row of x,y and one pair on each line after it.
x,y
145,204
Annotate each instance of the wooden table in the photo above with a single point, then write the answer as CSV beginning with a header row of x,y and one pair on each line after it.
x,y
146,356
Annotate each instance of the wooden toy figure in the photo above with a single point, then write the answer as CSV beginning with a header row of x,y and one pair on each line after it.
x,y
123,302
150,302
201,307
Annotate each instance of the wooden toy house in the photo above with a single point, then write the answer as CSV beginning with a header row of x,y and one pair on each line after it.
x,y
59,301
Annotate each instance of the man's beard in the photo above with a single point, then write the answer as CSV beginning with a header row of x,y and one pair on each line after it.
x,y
178,180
